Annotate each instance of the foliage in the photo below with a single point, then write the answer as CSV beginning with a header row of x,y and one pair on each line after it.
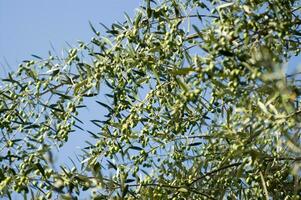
x,y
200,107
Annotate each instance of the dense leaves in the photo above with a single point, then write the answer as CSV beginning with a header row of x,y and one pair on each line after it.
x,y
199,107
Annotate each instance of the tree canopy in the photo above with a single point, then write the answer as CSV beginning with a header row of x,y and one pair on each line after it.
x,y
200,107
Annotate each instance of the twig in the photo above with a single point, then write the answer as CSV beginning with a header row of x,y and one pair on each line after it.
x,y
264,186
215,171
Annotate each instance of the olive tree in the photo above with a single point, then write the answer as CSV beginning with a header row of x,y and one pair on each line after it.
x,y
200,107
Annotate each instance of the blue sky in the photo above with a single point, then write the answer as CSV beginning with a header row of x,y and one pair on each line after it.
x,y
31,26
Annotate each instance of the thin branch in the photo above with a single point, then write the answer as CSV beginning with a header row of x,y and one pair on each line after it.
x,y
283,159
266,194
215,171
171,187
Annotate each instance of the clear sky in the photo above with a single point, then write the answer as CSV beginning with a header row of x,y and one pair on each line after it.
x,y
31,26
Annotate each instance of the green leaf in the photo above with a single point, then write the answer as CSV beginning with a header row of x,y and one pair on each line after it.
x,y
128,19
225,5
263,107
112,165
136,148
182,190
142,80
35,56
40,168
105,105
79,85
93,29
182,71
195,144
182,84
129,180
